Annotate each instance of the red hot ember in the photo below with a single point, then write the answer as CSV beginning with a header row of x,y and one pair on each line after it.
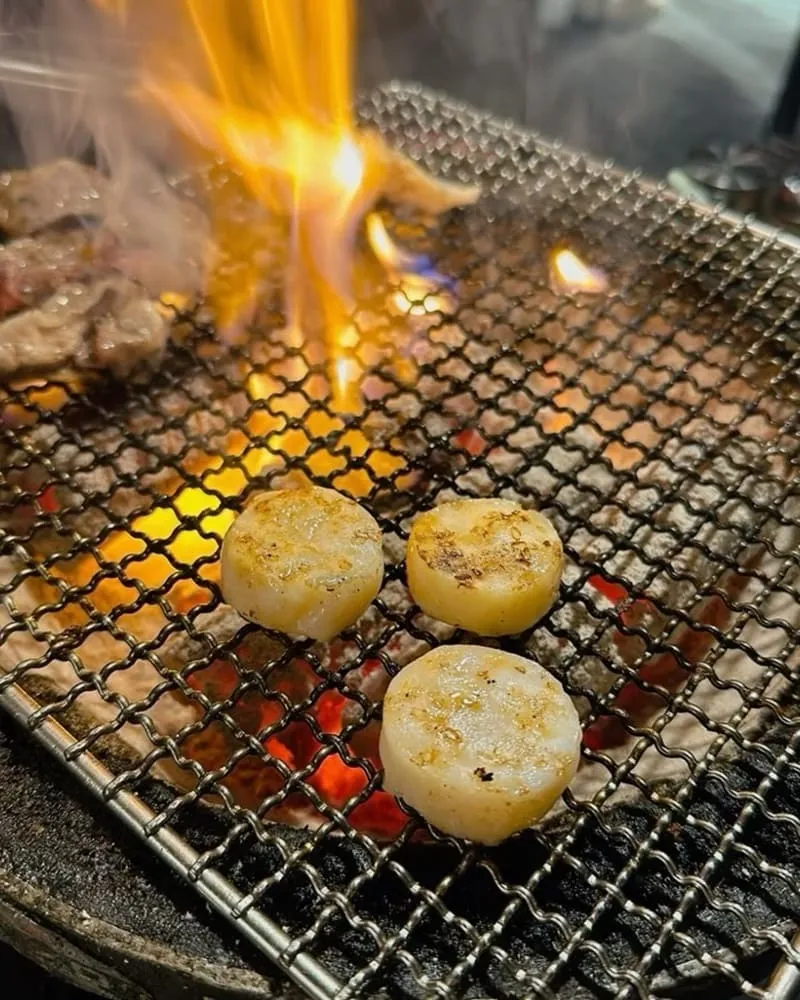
x,y
294,745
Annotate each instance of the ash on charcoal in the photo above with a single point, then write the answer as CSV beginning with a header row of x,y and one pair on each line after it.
x,y
219,633
88,476
100,653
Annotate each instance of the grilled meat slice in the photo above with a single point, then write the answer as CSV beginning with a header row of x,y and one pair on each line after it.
x,y
163,243
32,267
32,200
83,482
107,324
132,329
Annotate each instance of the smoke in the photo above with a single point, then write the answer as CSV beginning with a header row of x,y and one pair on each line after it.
x,y
483,51
517,58
520,59
68,75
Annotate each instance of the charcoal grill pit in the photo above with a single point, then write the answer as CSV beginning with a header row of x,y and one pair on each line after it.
x,y
656,424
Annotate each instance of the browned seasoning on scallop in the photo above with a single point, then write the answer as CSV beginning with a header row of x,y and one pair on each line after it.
x,y
306,562
489,566
479,741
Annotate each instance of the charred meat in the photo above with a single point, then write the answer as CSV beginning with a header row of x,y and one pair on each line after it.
x,y
107,324
32,267
33,200
88,272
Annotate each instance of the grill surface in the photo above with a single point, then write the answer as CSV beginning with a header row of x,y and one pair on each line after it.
x,y
656,424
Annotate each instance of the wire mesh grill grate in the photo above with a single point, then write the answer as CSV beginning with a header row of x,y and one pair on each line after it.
x,y
656,423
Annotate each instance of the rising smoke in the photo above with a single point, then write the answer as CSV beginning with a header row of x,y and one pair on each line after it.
x,y
69,77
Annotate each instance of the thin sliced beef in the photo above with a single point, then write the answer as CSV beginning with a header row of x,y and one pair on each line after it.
x,y
108,324
35,199
161,239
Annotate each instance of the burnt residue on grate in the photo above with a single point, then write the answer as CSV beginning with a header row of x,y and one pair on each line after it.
x,y
655,422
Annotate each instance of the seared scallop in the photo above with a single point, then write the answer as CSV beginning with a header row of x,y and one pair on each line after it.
x,y
489,566
306,562
480,742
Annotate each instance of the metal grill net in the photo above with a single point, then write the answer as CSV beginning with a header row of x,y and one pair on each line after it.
x,y
656,425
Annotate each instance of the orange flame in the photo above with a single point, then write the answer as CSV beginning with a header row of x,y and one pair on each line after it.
x,y
267,87
278,107
573,275
415,294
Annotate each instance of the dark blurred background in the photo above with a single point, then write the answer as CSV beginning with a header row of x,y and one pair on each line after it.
x,y
643,87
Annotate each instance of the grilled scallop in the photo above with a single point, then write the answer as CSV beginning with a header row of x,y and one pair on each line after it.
x,y
305,562
489,566
480,742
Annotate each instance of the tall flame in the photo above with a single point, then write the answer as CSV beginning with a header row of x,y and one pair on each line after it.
x,y
267,87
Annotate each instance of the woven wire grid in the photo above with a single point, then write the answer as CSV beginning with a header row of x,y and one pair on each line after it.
x,y
655,423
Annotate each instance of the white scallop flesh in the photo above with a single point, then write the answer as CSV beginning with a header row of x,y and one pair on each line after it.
x,y
479,741
489,566
306,562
